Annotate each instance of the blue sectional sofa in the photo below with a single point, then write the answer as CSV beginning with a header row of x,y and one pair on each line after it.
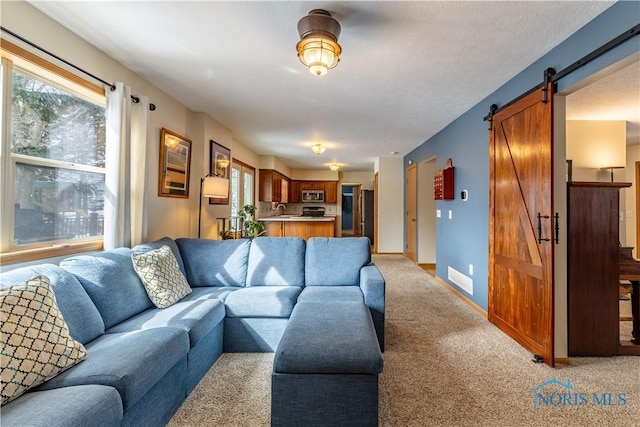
x,y
142,361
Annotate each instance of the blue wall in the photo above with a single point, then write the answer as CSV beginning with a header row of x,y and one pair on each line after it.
x,y
464,239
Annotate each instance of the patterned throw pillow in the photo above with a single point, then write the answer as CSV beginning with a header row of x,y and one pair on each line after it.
x,y
161,276
36,345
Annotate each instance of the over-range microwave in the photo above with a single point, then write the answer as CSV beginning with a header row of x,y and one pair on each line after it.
x,y
313,196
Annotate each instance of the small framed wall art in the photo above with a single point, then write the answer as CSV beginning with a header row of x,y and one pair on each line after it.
x,y
175,165
219,165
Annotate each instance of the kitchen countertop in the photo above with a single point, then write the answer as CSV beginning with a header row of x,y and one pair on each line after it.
x,y
298,218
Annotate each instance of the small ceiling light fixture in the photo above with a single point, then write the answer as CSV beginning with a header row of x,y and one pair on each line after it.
x,y
318,47
318,148
334,167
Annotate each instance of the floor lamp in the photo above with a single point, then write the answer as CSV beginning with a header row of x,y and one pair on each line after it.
x,y
212,186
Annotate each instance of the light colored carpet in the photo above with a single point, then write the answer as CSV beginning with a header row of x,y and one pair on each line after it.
x,y
444,365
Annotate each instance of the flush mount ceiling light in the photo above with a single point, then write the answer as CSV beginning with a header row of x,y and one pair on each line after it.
x,y
318,148
318,47
334,167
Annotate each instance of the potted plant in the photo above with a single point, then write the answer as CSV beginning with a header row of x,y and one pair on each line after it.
x,y
250,227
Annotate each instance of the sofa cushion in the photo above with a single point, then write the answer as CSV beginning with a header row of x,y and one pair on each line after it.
x,y
337,338
336,262
214,262
111,282
210,292
157,244
331,294
262,301
276,261
197,318
36,345
131,362
161,276
79,312
87,405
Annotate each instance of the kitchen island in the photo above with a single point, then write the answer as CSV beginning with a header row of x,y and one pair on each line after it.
x,y
299,226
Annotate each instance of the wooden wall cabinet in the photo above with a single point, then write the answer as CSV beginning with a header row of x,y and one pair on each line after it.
x,y
311,185
443,184
331,192
593,267
294,192
273,186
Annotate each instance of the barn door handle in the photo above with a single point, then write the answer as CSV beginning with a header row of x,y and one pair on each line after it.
x,y
557,227
540,217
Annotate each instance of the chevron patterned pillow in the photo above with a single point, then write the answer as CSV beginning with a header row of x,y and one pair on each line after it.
x,y
161,276
36,345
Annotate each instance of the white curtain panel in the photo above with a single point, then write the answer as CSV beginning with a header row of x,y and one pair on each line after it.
x,y
125,186
139,123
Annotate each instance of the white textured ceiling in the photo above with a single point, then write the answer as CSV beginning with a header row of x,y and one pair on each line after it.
x,y
407,69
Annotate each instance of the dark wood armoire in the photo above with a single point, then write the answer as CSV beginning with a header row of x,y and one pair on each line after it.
x,y
593,273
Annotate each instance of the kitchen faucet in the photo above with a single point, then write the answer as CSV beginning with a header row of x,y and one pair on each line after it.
x,y
280,205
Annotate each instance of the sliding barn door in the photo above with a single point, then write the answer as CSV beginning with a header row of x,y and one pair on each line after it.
x,y
521,223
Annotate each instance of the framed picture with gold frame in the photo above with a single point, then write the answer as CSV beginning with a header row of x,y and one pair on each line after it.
x,y
219,165
175,165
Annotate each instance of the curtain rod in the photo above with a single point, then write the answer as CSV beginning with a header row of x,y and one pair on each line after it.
x,y
134,98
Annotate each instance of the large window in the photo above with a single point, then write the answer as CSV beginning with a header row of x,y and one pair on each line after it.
x,y
53,154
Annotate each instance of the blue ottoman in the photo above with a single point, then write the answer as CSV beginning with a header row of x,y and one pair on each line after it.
x,y
326,367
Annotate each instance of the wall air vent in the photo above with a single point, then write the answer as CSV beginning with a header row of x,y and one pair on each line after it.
x,y
465,282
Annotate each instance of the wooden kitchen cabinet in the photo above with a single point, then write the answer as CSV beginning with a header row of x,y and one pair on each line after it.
x,y
297,228
331,192
294,192
311,185
307,229
273,186
274,228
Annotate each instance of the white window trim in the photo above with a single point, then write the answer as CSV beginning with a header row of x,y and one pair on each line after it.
x,y
9,253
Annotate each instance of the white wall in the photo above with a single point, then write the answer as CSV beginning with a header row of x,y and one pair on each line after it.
x,y
628,225
390,205
561,344
314,175
273,162
364,178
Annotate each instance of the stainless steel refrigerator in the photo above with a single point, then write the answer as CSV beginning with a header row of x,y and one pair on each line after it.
x,y
366,214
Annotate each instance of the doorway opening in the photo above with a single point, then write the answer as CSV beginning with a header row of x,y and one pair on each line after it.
x,y
426,216
358,210
350,210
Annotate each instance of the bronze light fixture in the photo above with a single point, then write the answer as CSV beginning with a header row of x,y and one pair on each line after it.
x,y
318,47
